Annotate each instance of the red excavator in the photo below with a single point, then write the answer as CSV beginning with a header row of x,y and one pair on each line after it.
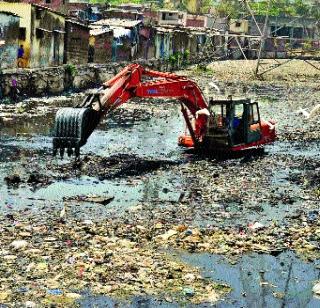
x,y
215,127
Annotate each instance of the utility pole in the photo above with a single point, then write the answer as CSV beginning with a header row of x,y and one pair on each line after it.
x,y
263,38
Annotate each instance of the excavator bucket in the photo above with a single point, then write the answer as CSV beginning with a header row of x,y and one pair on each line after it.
x,y
73,126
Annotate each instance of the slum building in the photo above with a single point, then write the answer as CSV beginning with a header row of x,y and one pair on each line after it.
x,y
76,42
126,38
78,9
122,14
198,21
41,32
100,45
9,43
171,18
146,48
183,40
163,42
56,5
285,33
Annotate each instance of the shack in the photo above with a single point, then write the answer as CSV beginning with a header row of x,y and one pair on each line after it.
x,y
285,34
197,21
125,44
100,45
163,42
41,33
9,33
76,42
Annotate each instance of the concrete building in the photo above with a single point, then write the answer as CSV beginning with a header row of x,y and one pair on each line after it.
x,y
172,18
239,26
285,26
9,43
41,32
76,42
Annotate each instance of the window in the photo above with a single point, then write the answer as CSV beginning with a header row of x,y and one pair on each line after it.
x,y
38,13
39,33
48,1
280,31
238,111
253,114
298,33
238,24
22,34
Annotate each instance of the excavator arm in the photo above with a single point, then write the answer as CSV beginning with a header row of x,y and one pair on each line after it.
x,y
73,126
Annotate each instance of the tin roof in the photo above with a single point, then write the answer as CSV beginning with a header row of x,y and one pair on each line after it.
x,y
191,30
9,13
71,21
118,22
99,31
47,8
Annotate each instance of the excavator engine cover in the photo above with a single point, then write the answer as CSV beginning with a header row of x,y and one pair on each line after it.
x,y
73,126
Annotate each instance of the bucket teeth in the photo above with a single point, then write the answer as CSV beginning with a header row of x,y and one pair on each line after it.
x,y
73,126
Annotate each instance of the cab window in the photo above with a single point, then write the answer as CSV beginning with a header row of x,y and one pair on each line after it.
x,y
253,114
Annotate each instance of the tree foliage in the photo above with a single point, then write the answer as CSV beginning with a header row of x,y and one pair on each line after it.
x,y
236,8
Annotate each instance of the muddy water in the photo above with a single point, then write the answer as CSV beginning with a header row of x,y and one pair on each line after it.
x,y
257,280
261,280
30,143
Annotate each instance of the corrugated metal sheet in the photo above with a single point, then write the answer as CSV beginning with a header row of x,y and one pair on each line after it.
x,y
118,23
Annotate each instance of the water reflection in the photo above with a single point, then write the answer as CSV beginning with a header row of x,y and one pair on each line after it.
x,y
262,280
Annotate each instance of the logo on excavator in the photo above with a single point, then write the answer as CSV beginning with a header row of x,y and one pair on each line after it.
x,y
152,91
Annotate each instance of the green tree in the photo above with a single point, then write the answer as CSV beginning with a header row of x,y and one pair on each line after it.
x,y
230,8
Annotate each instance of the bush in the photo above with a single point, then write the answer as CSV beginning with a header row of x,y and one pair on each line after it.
x,y
71,69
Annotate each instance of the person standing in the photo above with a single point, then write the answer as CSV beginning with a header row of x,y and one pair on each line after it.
x,y
20,56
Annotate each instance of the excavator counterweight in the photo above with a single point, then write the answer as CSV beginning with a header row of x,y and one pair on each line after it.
x,y
213,127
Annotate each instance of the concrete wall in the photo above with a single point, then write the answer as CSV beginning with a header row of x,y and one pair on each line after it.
x,y
9,31
56,80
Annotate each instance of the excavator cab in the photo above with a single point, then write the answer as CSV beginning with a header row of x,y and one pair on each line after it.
x,y
233,123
